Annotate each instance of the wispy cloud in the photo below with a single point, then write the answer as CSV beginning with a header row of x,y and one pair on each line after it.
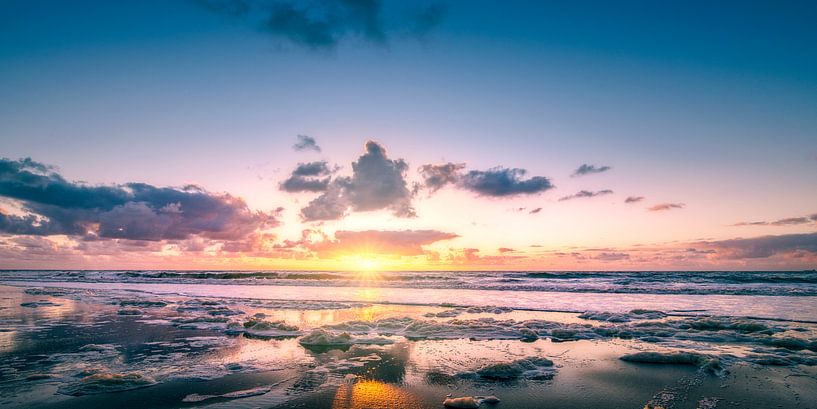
x,y
789,221
764,246
586,169
378,242
665,206
586,193
323,25
633,199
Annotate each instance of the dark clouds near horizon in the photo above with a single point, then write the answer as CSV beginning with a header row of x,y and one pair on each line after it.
x,y
323,25
137,211
494,182
789,221
765,246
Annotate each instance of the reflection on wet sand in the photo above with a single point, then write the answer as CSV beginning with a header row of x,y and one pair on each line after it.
x,y
372,394
72,343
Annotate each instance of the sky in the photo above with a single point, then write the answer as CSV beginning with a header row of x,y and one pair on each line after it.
x,y
424,135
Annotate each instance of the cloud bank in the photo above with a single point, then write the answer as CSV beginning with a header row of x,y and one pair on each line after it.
x,y
137,211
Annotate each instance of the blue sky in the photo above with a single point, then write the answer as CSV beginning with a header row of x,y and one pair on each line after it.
x,y
711,105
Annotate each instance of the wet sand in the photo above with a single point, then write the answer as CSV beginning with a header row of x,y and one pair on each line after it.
x,y
101,348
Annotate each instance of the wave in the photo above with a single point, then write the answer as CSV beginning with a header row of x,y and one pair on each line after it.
x,y
794,283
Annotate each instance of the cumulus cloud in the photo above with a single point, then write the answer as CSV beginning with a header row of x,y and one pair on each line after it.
x,y
586,193
789,221
381,242
322,25
633,199
137,211
377,182
586,169
764,246
306,177
665,206
306,143
436,177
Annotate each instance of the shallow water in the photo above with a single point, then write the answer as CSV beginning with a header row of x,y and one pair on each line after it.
x,y
168,344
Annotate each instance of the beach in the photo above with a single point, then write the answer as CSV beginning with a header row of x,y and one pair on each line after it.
x,y
167,342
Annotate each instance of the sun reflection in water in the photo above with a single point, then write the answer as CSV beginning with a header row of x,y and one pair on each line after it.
x,y
371,394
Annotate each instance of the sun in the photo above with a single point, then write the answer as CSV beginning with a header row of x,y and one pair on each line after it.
x,y
367,264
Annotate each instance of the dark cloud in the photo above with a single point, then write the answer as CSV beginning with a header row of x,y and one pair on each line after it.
x,y
790,221
633,199
586,169
496,182
386,242
586,193
306,143
436,177
764,246
377,182
53,205
307,178
322,25
665,206
536,210
499,181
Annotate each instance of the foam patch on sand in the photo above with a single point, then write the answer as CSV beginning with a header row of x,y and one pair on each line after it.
x,y
706,363
469,310
633,315
106,382
535,368
259,328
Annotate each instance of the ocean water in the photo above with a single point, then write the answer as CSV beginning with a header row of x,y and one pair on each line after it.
x,y
782,295
78,339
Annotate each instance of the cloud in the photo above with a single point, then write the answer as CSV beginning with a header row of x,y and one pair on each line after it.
x,y
494,182
586,193
499,181
764,246
790,221
381,242
503,250
536,210
138,211
306,143
665,206
633,199
377,183
323,25
306,178
436,177
586,169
